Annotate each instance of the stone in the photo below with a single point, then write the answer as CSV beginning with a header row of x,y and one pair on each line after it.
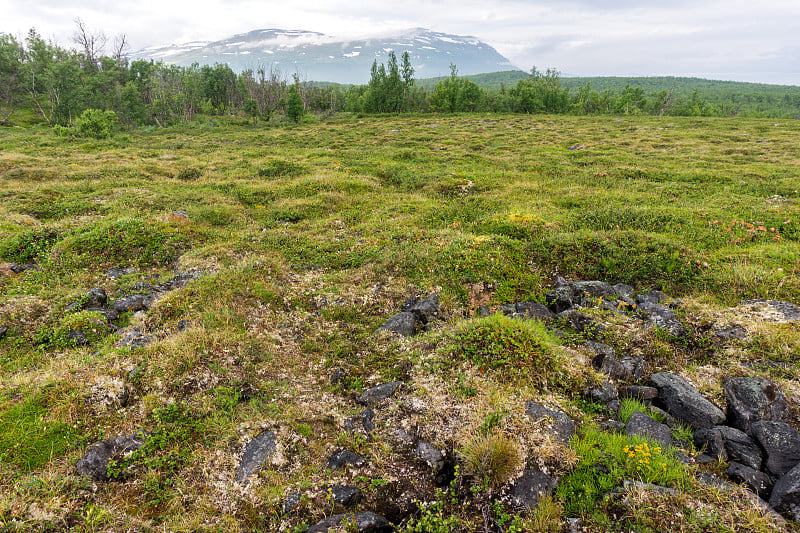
x,y
729,334
652,297
378,393
96,297
731,444
343,458
402,323
258,451
94,463
133,338
591,290
755,480
661,317
426,310
19,269
432,456
584,324
345,495
534,311
366,522
752,399
3,331
483,311
785,496
560,298
790,311
77,337
621,289
109,314
602,393
532,486
682,401
638,392
781,444
605,361
641,425
338,376
119,272
637,366
563,428
362,422
291,502
136,302
613,426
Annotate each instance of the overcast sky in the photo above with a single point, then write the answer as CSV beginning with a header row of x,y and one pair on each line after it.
x,y
731,39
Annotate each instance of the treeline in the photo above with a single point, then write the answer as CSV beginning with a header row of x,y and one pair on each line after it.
x,y
60,84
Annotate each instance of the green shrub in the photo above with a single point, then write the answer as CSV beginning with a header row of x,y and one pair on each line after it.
x,y
279,168
28,246
96,123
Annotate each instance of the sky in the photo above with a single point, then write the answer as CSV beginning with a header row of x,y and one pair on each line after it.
x,y
737,40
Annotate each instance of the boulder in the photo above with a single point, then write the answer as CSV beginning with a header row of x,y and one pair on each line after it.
x,y
562,426
95,298
109,314
603,393
682,401
752,399
258,451
532,486
136,302
402,323
624,290
343,458
785,497
638,392
591,290
426,309
133,338
780,442
560,298
755,480
378,393
584,324
366,522
95,462
534,311
661,317
3,331
345,495
77,337
641,425
729,444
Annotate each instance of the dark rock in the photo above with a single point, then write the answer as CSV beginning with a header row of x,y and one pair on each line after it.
x,y
752,399
109,314
183,324
613,426
362,422
508,309
430,454
729,334
3,331
77,337
641,425
785,496
622,289
532,486
345,495
535,311
133,338
638,392
704,459
790,311
682,401
136,302
95,462
780,442
95,298
731,444
343,458
652,297
584,324
256,453
378,393
178,281
560,298
600,349
592,290
563,428
366,522
291,502
613,406
660,317
756,481
637,366
483,311
19,269
401,323
603,393
427,309
338,376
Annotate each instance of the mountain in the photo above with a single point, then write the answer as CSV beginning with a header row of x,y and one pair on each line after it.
x,y
315,56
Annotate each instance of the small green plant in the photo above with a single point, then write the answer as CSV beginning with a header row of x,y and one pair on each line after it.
x,y
96,123
280,168
492,458
189,173
628,406
29,245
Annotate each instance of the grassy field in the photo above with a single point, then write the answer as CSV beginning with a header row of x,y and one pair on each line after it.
x,y
310,237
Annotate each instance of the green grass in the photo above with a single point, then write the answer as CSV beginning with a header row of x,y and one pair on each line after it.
x,y
311,237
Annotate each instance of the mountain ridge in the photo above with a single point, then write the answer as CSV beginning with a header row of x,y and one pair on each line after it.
x,y
313,55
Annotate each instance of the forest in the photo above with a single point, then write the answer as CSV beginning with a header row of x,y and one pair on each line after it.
x,y
41,81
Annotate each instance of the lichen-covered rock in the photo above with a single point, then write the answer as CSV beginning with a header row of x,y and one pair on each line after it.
x,y
781,443
682,401
256,453
378,393
343,458
532,486
755,480
95,462
729,444
560,424
785,497
642,425
752,399
366,522
402,323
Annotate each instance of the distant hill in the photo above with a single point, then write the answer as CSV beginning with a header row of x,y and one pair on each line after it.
x,y
314,56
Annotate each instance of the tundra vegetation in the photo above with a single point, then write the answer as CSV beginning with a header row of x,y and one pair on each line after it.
x,y
203,298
